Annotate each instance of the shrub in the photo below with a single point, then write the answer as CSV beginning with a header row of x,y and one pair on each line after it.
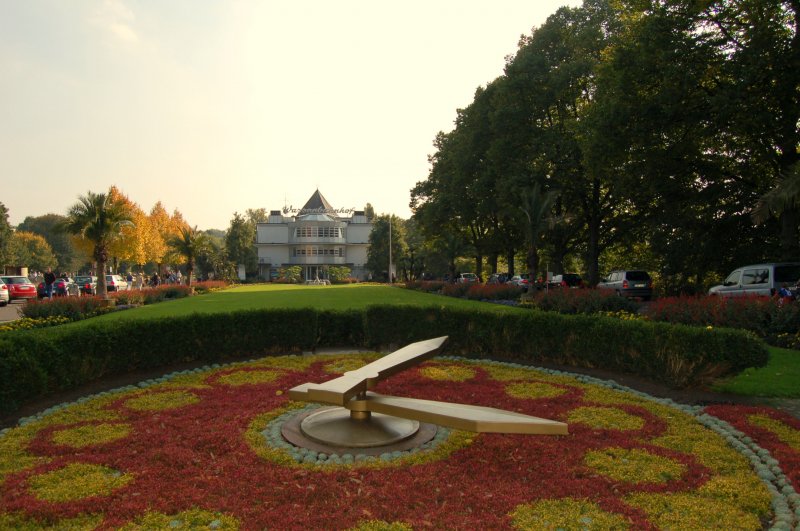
x,y
455,290
428,286
73,308
493,292
768,317
33,362
207,286
585,301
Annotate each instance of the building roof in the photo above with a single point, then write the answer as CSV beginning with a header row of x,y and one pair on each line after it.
x,y
316,202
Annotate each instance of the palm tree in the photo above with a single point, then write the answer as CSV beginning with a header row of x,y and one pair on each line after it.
x,y
785,196
536,206
99,219
189,244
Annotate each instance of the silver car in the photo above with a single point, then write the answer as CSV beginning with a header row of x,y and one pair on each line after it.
x,y
758,279
629,283
4,295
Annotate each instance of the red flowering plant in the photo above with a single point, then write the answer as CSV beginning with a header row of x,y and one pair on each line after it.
x,y
203,449
775,431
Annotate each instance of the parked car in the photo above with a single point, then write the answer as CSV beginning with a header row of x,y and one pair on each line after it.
x,y
629,283
520,280
758,279
116,283
467,278
19,287
62,287
567,280
4,296
87,284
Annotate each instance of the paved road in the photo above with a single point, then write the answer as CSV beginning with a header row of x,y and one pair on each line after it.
x,y
10,312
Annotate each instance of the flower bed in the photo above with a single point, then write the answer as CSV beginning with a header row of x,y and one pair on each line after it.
x,y
193,449
773,430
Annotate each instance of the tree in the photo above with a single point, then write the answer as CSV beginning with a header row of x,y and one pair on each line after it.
x,y
378,253
536,206
33,251
189,244
132,245
69,258
160,231
98,219
369,211
5,237
240,243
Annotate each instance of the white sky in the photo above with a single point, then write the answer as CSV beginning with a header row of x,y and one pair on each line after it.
x,y
214,107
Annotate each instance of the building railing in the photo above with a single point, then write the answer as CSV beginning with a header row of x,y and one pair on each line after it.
x,y
317,260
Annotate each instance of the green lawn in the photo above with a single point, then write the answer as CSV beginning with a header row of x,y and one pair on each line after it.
x,y
339,297
780,378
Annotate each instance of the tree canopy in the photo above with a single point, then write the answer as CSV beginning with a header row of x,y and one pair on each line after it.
x,y
660,125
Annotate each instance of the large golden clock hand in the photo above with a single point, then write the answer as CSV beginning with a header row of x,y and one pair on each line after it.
x,y
340,390
465,417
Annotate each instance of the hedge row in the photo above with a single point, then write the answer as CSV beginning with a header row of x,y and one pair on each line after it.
x,y
39,362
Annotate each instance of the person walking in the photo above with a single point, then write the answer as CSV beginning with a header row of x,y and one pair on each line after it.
x,y
49,280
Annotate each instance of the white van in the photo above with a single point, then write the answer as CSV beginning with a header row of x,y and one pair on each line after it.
x,y
759,279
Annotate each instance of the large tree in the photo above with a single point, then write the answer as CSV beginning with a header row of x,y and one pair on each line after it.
x,y
378,253
67,256
5,237
33,251
240,243
98,219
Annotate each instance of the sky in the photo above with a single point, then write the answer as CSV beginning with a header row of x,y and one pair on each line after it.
x,y
214,107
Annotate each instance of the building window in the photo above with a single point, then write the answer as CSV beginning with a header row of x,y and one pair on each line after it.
x,y
318,232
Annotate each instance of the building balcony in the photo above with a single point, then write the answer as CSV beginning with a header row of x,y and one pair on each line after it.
x,y
318,241
317,260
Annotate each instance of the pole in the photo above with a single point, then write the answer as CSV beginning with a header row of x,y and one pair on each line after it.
x,y
390,249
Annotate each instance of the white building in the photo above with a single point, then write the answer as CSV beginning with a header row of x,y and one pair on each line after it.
x,y
313,237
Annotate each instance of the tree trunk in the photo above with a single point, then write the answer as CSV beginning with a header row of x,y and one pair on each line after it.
x,y
533,263
493,262
510,258
479,264
593,251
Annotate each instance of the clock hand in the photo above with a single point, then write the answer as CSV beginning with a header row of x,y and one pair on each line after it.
x,y
459,416
340,390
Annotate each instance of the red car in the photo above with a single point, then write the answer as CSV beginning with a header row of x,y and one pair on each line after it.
x,y
19,287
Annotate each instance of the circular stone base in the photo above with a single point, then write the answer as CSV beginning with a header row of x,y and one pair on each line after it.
x,y
340,425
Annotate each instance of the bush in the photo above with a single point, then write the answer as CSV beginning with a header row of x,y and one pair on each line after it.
x,y
428,286
455,290
768,317
73,308
35,362
493,292
586,301
207,286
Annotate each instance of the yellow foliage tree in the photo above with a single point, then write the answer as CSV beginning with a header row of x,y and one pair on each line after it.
x,y
131,246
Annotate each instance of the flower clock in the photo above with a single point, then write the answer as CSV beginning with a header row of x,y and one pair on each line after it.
x,y
204,449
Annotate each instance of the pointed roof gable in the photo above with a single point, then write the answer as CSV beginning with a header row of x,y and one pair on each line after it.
x,y
316,202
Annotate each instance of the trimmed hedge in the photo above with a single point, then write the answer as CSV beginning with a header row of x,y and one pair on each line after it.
x,y
37,362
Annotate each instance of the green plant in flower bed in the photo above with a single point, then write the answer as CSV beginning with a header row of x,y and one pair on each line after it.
x,y
27,323
586,301
219,462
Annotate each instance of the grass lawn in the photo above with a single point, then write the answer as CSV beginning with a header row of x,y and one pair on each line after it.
x,y
780,378
339,297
